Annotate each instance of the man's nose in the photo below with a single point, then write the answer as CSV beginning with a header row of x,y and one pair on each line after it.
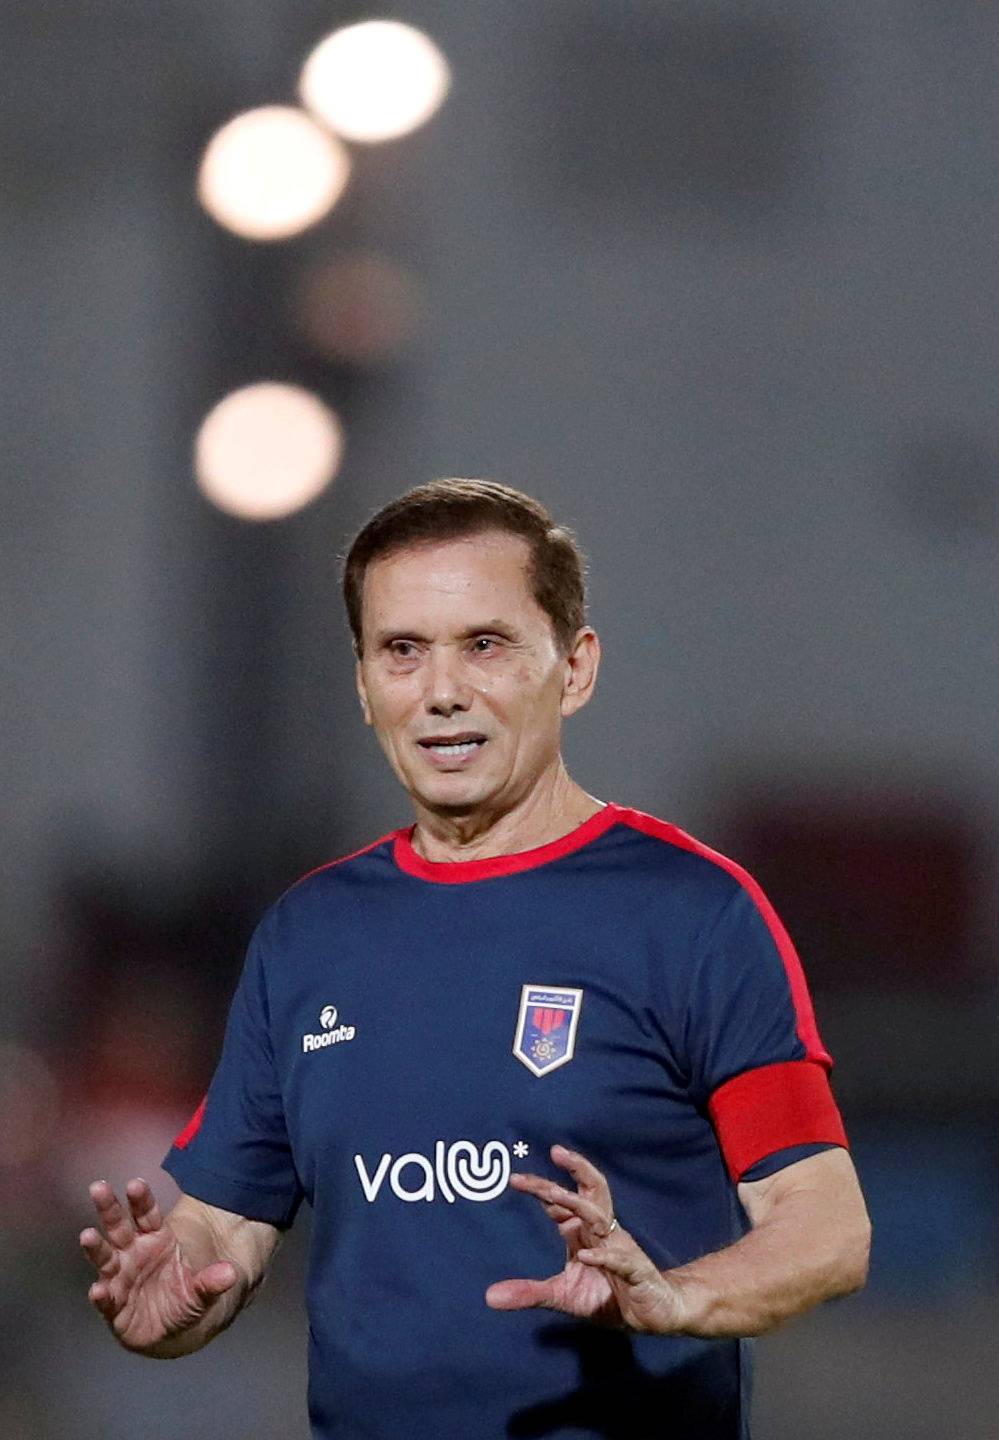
x,y
447,689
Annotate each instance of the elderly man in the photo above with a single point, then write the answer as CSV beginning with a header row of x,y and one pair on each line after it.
x,y
532,1035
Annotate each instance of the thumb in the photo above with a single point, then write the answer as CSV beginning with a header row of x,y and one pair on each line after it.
x,y
214,1280
521,1295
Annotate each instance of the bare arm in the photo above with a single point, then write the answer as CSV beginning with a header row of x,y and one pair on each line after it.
x,y
808,1243
167,1287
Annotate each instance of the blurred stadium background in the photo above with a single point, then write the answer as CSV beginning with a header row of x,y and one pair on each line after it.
x,y
717,282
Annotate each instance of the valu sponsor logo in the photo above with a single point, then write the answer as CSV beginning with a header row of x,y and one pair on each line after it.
x,y
330,1034
455,1171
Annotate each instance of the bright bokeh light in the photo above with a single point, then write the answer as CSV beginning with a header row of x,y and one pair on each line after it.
x,y
272,172
375,81
267,450
359,310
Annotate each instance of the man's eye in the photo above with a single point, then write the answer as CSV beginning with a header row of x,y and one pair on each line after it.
x,y
403,649
482,644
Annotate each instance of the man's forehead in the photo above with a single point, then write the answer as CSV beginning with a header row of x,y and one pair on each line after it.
x,y
492,562
476,583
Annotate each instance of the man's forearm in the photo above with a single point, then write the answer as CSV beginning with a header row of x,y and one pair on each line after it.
x,y
801,1255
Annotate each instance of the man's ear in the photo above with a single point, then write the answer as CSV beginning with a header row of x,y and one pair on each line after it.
x,y
362,693
580,675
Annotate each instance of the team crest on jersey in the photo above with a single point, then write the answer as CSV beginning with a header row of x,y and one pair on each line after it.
x,y
546,1027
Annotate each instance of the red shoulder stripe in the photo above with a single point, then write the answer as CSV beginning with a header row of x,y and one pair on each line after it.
x,y
342,859
808,1032
192,1127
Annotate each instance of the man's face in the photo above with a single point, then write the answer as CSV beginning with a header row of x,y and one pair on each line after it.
x,y
461,677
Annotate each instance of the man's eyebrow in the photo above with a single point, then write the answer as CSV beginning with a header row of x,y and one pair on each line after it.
x,y
396,632
484,627
385,637
490,627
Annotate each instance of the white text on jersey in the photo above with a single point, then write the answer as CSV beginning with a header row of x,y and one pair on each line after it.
x,y
458,1171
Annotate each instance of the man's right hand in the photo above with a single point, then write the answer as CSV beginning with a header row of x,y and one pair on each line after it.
x,y
152,1299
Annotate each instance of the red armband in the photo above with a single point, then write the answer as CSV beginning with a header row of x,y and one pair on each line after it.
x,y
772,1108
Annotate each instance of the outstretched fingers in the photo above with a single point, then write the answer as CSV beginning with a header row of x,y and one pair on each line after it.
x,y
563,1205
99,1252
590,1181
116,1224
144,1209
105,1247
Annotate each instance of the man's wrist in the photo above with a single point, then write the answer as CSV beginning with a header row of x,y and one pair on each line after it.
x,y
686,1304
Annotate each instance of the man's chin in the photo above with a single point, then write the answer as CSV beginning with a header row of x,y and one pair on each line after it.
x,y
454,794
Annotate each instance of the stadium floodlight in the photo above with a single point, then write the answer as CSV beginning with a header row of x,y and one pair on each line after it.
x,y
271,172
267,450
375,80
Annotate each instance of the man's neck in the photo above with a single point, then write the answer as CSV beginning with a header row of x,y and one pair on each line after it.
x,y
550,811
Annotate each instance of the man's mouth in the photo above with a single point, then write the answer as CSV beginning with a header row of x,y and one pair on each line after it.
x,y
453,745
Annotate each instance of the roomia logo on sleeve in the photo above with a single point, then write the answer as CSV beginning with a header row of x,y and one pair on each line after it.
x,y
330,1034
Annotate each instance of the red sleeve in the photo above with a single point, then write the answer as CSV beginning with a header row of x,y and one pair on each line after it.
x,y
772,1108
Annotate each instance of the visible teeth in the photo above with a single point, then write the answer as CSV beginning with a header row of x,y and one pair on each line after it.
x,y
464,748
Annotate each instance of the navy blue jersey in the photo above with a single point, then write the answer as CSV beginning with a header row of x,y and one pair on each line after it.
x,y
405,1034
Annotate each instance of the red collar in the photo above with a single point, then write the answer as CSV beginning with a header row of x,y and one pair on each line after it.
x,y
459,872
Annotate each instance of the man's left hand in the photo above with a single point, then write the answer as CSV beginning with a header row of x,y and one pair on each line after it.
x,y
607,1276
